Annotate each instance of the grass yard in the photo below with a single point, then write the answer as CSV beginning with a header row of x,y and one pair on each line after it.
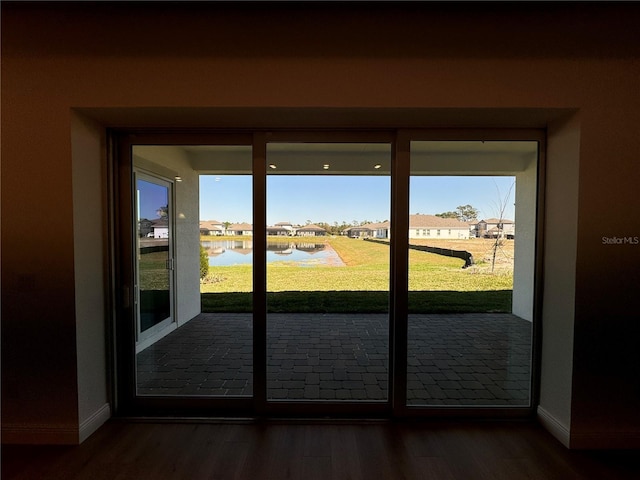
x,y
153,271
491,301
436,283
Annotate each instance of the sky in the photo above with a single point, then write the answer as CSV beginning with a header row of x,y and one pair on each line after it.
x,y
301,199
151,197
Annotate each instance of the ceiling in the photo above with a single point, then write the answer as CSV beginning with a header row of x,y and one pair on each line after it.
x,y
427,158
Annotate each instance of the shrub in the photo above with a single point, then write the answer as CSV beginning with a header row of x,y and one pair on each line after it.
x,y
204,263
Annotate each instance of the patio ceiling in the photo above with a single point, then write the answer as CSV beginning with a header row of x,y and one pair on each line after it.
x,y
428,158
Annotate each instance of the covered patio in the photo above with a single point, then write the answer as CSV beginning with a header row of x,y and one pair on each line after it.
x,y
453,359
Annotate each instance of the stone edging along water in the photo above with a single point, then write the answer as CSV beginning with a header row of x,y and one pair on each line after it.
x,y
447,252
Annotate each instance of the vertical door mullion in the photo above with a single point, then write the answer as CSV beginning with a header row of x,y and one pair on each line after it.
x,y
536,334
259,272
400,169
124,268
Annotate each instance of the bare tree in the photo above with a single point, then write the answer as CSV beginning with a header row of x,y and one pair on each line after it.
x,y
500,207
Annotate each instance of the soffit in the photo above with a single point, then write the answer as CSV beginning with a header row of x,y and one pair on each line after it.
x,y
427,158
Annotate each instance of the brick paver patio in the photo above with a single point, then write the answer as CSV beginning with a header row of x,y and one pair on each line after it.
x,y
453,359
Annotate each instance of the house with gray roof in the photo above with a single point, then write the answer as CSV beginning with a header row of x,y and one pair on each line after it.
x,y
311,230
240,229
281,229
496,228
369,230
160,227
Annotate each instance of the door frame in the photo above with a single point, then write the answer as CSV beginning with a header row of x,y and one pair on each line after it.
x,y
403,174
283,408
127,403
167,325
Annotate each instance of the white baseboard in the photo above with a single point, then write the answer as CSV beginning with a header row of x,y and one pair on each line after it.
x,y
39,434
602,440
95,421
51,434
555,427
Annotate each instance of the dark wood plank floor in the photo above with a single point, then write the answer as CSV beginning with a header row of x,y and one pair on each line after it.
x,y
313,450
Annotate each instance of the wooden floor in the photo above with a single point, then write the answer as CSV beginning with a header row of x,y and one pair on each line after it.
x,y
312,450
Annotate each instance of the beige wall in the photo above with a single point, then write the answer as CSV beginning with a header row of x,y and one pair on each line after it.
x,y
127,65
90,253
525,245
558,313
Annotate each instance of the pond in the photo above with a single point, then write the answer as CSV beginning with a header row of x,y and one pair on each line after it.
x,y
224,253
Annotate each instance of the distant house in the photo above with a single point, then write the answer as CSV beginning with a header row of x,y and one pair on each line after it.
x,y
356,232
311,230
286,226
431,226
212,227
496,228
380,229
369,230
160,228
240,229
473,228
281,229
277,232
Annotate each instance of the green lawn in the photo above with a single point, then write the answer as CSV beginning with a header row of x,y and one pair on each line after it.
x,y
436,284
153,271
360,302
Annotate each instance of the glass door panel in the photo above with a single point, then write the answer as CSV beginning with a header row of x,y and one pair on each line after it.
x,y
470,275
315,308
155,258
197,227
226,239
328,237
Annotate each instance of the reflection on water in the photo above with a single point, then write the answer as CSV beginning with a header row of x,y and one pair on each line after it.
x,y
280,248
218,247
304,254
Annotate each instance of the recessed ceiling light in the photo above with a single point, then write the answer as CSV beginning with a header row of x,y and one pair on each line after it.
x,y
273,166
178,178
377,166
326,166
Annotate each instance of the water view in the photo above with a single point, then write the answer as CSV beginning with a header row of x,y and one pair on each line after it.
x,y
224,253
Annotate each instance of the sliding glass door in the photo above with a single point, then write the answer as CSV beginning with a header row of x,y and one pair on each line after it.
x,y
471,273
154,261
328,249
318,273
184,323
